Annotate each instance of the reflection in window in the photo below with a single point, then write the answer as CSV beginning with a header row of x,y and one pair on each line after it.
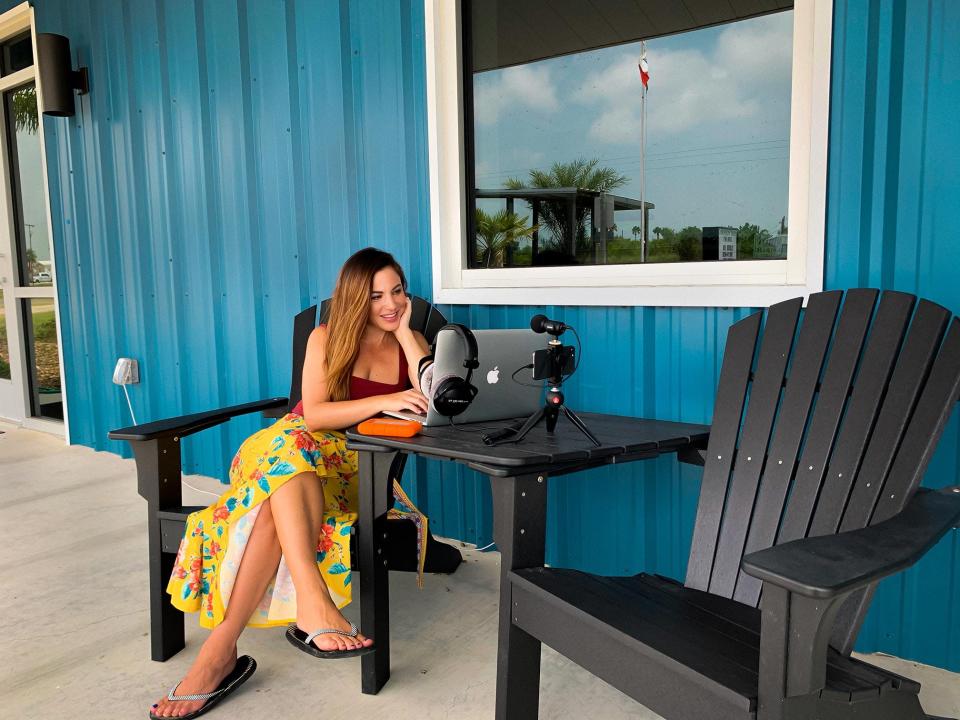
x,y
41,331
31,219
574,165
16,54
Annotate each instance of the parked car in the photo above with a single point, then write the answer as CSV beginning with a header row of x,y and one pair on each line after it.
x,y
42,277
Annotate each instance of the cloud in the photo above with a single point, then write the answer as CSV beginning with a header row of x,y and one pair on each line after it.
x,y
517,87
690,88
516,160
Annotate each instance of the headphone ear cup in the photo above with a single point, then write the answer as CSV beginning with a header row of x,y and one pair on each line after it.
x,y
426,380
452,395
438,384
425,362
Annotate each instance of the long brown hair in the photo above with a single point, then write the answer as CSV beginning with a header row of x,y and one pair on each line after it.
x,y
349,314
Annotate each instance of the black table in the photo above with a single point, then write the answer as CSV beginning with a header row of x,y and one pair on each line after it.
x,y
518,479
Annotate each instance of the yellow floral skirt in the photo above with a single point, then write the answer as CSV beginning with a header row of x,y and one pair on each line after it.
x,y
213,544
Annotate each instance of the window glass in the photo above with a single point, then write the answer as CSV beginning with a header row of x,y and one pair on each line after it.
x,y
17,54
36,267
675,149
41,334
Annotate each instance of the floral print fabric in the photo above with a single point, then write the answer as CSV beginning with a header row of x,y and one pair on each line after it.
x,y
212,547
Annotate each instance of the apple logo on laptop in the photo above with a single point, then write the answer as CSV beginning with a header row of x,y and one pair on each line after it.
x,y
493,377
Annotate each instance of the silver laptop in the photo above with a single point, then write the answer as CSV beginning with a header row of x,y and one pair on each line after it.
x,y
500,353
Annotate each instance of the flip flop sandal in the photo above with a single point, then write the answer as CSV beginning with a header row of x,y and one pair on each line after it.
x,y
236,677
302,641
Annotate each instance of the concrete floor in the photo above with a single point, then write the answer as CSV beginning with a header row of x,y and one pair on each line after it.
x,y
74,619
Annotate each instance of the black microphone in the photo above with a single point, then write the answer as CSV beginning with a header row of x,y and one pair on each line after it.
x,y
541,324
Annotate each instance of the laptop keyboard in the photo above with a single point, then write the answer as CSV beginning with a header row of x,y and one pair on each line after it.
x,y
407,415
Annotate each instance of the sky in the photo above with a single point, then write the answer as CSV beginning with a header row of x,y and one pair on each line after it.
x,y
718,122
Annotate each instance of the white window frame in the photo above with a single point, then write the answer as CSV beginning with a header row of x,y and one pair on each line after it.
x,y
14,22
703,284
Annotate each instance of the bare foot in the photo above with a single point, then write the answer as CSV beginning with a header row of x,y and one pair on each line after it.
x,y
324,614
214,662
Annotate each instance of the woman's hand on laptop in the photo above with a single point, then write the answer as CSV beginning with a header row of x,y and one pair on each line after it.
x,y
411,400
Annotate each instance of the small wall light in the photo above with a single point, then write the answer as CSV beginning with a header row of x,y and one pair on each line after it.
x,y
58,79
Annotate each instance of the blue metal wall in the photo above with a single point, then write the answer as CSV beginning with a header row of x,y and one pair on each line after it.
x,y
893,194
229,156
233,152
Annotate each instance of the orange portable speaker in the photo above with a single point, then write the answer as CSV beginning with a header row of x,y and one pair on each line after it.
x,y
390,427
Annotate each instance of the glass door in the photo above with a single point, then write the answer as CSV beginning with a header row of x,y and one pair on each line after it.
x,y
30,373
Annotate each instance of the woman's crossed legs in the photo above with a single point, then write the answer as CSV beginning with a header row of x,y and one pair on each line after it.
x,y
288,523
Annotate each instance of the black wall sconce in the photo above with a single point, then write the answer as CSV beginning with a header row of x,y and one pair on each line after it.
x,y
58,79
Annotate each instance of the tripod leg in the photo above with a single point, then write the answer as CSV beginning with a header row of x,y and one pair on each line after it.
x,y
526,427
572,416
552,412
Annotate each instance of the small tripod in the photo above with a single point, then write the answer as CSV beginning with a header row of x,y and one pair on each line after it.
x,y
556,360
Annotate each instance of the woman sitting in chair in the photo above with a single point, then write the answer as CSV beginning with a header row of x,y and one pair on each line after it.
x,y
275,548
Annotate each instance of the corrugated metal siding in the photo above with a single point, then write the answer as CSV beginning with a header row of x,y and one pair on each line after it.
x,y
229,156
233,152
894,196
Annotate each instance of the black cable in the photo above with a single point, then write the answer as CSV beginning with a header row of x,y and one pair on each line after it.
x,y
525,367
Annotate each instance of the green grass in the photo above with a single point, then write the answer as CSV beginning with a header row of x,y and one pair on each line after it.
x,y
44,331
45,327
664,258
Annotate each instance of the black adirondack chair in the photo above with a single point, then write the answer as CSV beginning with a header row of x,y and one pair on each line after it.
x,y
156,449
820,438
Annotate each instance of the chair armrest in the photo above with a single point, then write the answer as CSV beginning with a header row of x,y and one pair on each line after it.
x,y
828,566
189,424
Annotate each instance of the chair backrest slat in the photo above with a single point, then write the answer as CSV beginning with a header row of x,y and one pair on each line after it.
x,y
940,394
939,397
432,323
778,336
727,410
886,335
834,390
860,391
913,366
303,324
805,367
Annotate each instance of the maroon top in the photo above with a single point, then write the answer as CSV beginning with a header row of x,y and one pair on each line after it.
x,y
362,388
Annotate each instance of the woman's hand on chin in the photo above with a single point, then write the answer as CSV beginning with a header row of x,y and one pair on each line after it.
x,y
404,326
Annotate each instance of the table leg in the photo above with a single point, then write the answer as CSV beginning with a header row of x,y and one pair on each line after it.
x,y
374,477
519,529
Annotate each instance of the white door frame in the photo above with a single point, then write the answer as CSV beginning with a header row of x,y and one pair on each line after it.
x,y
15,392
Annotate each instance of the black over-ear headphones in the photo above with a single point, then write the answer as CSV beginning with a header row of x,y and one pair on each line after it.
x,y
450,393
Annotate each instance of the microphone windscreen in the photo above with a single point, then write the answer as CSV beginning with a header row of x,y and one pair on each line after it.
x,y
426,380
536,323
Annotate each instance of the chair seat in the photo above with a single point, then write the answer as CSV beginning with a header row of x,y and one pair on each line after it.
x,y
700,651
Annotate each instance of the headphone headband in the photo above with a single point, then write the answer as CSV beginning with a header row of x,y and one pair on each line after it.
x,y
451,395
470,360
